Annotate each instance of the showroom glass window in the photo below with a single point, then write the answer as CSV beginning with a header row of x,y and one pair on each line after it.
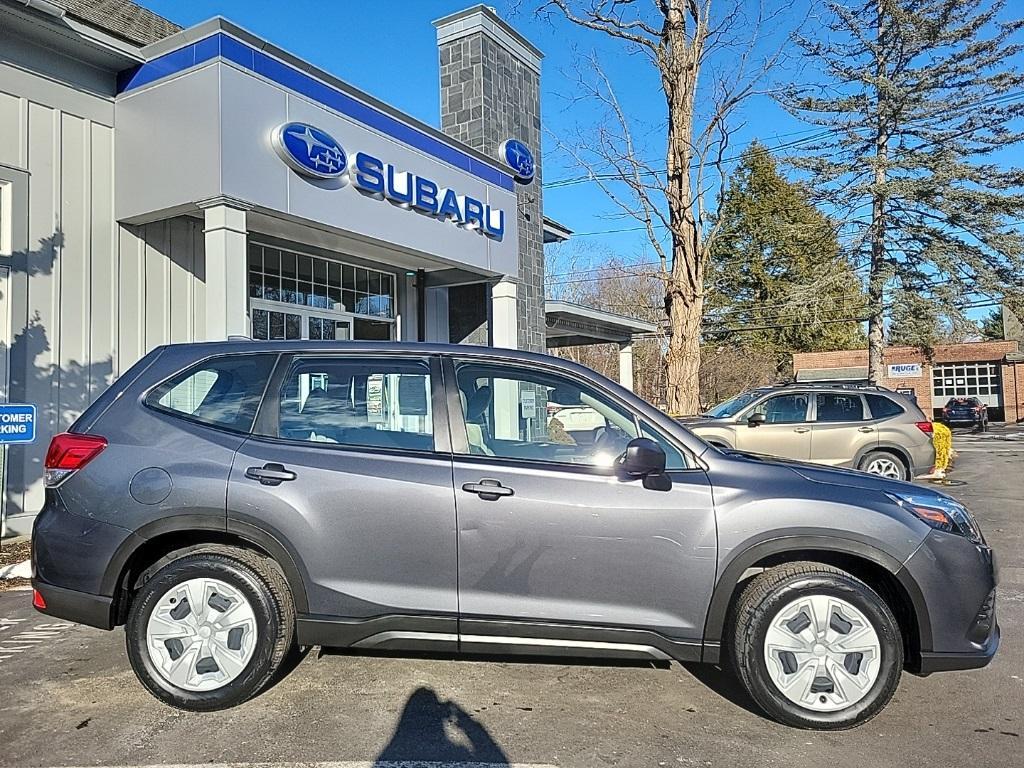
x,y
358,402
317,283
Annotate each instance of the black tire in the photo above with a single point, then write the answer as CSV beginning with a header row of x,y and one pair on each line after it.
x,y
870,456
264,586
768,593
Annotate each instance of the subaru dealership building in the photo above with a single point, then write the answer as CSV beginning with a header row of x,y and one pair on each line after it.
x,y
163,185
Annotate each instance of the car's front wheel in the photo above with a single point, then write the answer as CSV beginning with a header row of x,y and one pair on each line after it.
x,y
209,629
816,647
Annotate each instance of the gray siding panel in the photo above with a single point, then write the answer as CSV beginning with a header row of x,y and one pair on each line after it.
x,y
87,297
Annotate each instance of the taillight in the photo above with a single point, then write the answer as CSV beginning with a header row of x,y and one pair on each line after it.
x,y
68,453
925,426
38,601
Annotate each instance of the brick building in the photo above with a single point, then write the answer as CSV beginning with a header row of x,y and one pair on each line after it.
x,y
992,371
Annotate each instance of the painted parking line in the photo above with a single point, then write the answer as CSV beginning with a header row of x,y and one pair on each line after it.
x,y
19,636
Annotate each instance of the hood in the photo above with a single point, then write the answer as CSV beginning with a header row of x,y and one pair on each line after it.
x,y
816,473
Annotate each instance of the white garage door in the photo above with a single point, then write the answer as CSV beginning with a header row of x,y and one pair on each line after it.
x,y
980,380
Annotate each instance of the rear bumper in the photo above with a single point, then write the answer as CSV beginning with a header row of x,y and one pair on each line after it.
x,y
80,607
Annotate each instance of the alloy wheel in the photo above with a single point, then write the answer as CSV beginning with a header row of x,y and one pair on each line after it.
x,y
822,653
885,467
201,634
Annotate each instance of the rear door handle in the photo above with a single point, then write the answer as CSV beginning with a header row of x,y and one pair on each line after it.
x,y
488,490
801,430
865,429
270,474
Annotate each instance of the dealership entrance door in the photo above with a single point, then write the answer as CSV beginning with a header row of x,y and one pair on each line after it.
x,y
274,321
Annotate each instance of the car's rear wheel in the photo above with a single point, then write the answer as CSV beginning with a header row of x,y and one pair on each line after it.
x,y
209,629
815,646
884,464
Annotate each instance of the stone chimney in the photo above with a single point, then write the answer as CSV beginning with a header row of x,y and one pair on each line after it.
x,y
490,92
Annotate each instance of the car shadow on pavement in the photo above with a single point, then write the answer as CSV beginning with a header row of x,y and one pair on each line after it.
x,y
724,682
434,731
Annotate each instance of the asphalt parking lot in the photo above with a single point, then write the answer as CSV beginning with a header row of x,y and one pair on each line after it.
x,y
68,697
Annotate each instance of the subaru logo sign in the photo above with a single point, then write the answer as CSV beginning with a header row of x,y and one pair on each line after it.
x,y
519,158
314,153
309,150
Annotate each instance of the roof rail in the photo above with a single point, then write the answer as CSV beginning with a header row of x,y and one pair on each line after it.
x,y
837,385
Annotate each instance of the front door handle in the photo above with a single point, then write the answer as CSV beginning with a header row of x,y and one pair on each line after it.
x,y
270,474
801,430
488,490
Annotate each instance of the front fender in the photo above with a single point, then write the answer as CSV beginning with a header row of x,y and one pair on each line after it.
x,y
803,544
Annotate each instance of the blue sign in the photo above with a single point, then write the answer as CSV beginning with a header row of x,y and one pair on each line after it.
x,y
313,152
519,158
17,423
382,180
309,150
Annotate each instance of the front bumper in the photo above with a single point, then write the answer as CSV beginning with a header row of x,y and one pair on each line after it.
x,y
957,624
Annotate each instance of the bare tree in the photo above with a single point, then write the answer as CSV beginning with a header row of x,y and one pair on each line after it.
x,y
680,39
614,287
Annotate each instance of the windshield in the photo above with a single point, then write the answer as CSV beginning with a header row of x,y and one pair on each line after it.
x,y
733,406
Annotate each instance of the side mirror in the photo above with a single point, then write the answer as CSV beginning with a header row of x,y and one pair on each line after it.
x,y
643,457
755,420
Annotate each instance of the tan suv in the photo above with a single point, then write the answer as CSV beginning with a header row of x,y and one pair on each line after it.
x,y
867,428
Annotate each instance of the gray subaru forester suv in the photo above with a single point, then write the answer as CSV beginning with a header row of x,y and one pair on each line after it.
x,y
229,502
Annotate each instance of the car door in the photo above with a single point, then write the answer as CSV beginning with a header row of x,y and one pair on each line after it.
x,y
553,543
840,429
785,431
350,467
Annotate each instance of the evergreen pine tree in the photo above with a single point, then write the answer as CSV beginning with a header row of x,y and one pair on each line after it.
x,y
919,97
777,275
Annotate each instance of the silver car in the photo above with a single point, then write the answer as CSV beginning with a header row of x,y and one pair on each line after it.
x,y
861,427
229,502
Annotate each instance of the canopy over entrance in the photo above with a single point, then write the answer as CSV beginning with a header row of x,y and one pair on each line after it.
x,y
573,325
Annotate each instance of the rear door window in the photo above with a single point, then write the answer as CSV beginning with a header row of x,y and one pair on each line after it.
x,y
839,406
359,402
222,392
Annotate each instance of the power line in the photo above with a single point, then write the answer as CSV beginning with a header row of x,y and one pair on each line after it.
x,y
820,134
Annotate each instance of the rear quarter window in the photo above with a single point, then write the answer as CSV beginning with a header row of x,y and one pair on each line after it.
x,y
222,392
882,407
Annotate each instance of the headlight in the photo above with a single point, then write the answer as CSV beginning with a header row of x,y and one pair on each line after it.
x,y
941,513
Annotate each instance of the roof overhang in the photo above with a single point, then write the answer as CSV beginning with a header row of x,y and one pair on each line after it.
x,y
555,232
571,325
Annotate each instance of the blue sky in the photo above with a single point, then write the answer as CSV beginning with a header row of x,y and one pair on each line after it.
x,y
389,50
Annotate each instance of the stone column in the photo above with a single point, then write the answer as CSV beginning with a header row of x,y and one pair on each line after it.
x,y
490,92
626,365
226,268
